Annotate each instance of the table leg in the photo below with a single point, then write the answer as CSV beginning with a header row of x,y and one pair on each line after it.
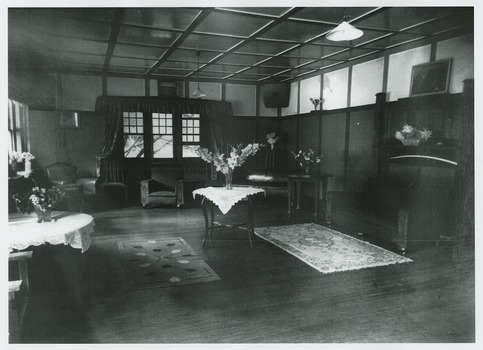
x,y
298,195
204,207
250,221
289,187
212,218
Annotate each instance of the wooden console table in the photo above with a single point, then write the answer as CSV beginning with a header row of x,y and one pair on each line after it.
x,y
295,181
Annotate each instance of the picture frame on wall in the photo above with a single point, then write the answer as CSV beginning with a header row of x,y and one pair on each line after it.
x,y
69,120
430,78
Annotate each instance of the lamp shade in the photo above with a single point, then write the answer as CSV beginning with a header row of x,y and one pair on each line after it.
x,y
344,32
198,93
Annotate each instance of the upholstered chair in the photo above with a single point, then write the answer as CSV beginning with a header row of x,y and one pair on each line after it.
x,y
164,188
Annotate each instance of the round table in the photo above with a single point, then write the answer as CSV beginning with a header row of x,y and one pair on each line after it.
x,y
69,228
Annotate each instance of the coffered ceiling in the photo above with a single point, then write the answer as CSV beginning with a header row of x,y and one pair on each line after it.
x,y
251,45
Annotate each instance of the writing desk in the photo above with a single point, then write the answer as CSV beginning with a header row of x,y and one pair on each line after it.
x,y
295,181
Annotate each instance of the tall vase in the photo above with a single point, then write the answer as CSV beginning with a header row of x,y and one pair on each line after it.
x,y
307,170
229,179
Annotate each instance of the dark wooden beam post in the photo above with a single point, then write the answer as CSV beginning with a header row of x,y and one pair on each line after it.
x,y
381,125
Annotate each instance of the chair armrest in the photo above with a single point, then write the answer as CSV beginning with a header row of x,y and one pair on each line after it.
x,y
21,259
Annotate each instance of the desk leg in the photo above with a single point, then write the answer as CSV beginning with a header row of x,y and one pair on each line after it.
x,y
250,221
316,199
298,195
289,185
325,182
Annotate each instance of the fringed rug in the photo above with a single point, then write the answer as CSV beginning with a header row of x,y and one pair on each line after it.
x,y
327,250
163,263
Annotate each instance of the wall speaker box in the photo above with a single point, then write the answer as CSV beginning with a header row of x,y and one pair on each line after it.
x,y
169,89
276,95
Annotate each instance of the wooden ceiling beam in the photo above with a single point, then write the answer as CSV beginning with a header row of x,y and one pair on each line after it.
x,y
199,18
113,35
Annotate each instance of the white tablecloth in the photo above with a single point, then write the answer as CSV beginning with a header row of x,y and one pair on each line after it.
x,y
225,199
72,229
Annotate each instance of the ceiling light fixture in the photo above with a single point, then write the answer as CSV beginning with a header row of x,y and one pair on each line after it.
x,y
344,32
198,93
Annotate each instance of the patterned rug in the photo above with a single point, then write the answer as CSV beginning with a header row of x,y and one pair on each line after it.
x,y
327,250
163,263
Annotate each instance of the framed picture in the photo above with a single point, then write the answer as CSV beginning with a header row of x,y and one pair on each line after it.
x,y
69,120
430,78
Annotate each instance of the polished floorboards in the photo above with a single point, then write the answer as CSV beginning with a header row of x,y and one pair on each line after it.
x,y
264,294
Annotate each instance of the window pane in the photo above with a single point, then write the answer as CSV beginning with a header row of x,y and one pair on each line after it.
x,y
169,122
125,121
133,146
163,146
162,122
126,129
184,138
196,138
189,151
140,130
155,121
140,115
169,130
140,121
132,129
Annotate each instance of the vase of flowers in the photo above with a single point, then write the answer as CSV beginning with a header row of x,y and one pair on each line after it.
x,y
316,102
306,159
227,163
21,161
272,139
411,136
40,200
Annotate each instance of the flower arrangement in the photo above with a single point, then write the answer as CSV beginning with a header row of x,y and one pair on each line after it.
x,y
410,135
17,158
224,163
41,200
272,139
306,159
316,102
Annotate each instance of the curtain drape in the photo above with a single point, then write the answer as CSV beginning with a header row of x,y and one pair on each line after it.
x,y
213,113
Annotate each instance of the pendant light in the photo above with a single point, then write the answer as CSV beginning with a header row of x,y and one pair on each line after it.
x,y
198,93
344,32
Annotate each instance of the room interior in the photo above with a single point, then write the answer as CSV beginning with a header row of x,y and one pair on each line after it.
x,y
113,102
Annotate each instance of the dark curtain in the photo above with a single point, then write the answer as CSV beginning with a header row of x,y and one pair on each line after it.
x,y
214,114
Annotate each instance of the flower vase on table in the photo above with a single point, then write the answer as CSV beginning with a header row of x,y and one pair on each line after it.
x,y
229,180
43,214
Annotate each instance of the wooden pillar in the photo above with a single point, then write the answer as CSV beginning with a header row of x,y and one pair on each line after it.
x,y
381,126
466,171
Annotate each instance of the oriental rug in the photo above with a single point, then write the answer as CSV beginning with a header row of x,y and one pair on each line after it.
x,y
328,250
163,263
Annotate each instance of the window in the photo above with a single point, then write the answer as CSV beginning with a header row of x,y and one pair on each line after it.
x,y
18,126
133,126
162,135
190,131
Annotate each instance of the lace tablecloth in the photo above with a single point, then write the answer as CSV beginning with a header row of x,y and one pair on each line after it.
x,y
225,199
72,229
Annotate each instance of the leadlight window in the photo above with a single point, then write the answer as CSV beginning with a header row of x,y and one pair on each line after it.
x,y
190,131
18,126
133,127
162,135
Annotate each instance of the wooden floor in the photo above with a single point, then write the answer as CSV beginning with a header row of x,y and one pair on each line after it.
x,y
265,295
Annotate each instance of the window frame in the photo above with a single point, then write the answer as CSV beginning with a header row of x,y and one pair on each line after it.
x,y
178,143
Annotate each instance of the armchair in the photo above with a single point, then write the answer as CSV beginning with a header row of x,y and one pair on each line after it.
x,y
165,187
64,176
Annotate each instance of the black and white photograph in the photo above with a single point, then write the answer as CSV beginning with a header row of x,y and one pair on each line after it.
x,y
251,174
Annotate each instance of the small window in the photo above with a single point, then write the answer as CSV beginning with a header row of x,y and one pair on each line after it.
x,y
133,127
162,135
190,135
18,126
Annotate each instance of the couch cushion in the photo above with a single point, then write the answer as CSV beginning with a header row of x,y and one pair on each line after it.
x,y
162,194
